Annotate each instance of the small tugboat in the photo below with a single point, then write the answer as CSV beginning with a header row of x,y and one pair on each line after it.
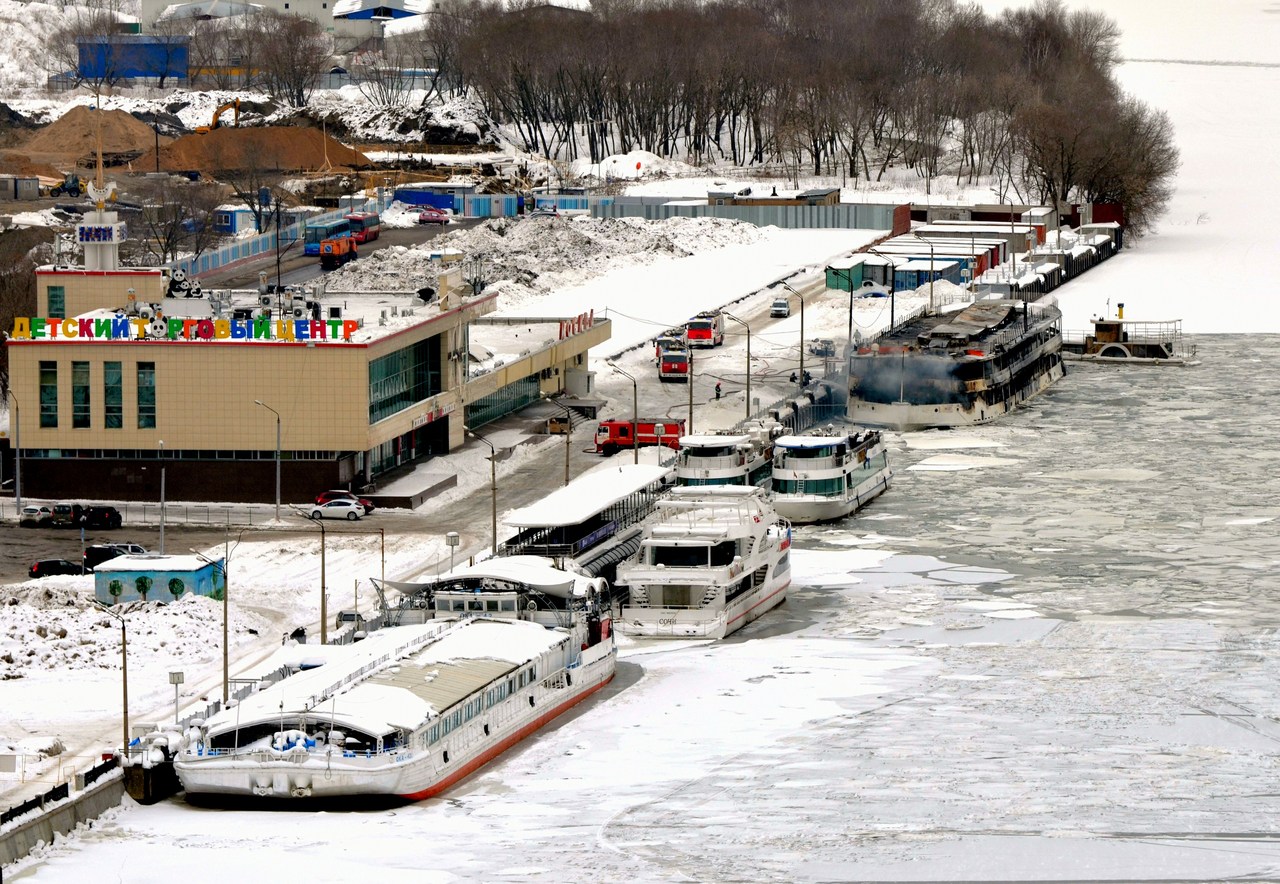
x,y
712,560
957,369
1133,343
828,474
411,710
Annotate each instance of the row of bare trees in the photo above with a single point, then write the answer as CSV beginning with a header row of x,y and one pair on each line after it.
x,y
1027,97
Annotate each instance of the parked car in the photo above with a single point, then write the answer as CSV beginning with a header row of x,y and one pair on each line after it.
x,y
341,494
102,552
545,212
66,515
107,517
433,216
822,347
49,567
35,517
338,509
780,307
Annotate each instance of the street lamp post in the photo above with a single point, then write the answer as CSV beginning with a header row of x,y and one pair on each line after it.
x,y
893,273
568,433
743,323
226,590
161,497
635,409
493,486
277,414
800,298
660,430
689,350
124,679
933,268
17,452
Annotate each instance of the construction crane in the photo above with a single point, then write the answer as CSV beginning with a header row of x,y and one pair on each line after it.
x,y
217,117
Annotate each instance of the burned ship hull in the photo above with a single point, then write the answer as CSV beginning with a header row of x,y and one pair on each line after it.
x,y
960,369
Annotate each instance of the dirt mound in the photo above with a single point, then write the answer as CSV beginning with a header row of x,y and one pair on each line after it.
x,y
271,148
15,163
74,134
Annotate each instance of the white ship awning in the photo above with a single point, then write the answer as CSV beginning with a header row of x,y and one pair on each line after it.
x,y
587,496
713,440
809,441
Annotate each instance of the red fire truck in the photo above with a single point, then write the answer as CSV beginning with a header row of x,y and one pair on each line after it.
x,y
705,330
613,436
673,364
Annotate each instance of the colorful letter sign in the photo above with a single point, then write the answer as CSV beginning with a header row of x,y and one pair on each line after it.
x,y
135,328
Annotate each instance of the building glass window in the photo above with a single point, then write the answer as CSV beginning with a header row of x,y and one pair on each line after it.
x,y
404,377
80,395
146,395
113,395
48,394
57,301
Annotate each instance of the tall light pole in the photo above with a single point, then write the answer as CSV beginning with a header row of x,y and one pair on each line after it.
x,y
635,410
933,267
124,679
689,350
277,414
493,485
568,430
161,497
17,452
226,591
727,315
324,591
893,273
800,298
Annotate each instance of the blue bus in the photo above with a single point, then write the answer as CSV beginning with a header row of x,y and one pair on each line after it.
x,y
316,233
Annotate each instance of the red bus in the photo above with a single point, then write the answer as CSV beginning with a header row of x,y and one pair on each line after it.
x,y
365,226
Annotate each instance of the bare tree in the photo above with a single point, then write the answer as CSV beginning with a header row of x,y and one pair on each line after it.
x,y
86,47
295,52
177,217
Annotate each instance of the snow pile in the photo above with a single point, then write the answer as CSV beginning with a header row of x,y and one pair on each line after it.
x,y
459,120
25,29
526,258
56,628
633,166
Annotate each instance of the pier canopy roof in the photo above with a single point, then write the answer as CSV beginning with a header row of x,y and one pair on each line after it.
x,y
587,496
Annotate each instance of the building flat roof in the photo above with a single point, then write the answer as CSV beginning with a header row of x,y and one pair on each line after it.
x,y
587,496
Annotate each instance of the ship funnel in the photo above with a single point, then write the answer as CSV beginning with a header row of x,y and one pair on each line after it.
x,y
1119,311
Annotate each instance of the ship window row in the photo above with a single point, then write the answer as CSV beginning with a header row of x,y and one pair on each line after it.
x,y
716,556
474,605
473,707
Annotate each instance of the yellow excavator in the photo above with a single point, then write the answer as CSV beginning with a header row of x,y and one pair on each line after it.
x,y
217,117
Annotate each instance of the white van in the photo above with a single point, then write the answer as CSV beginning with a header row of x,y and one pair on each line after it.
x,y
780,307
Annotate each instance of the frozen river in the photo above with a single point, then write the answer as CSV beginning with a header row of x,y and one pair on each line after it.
x,y
1048,653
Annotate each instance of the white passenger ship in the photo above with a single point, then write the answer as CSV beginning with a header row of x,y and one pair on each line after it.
x,y
722,459
824,475
712,560
411,710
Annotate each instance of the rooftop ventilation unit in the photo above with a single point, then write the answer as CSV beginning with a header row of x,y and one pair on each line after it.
x,y
264,300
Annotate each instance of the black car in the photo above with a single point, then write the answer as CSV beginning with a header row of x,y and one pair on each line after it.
x,y
48,567
107,517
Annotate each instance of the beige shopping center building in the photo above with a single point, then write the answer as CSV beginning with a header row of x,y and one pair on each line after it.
x,y
98,415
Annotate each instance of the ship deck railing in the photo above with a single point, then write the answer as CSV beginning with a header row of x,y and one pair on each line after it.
x,y
1168,332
